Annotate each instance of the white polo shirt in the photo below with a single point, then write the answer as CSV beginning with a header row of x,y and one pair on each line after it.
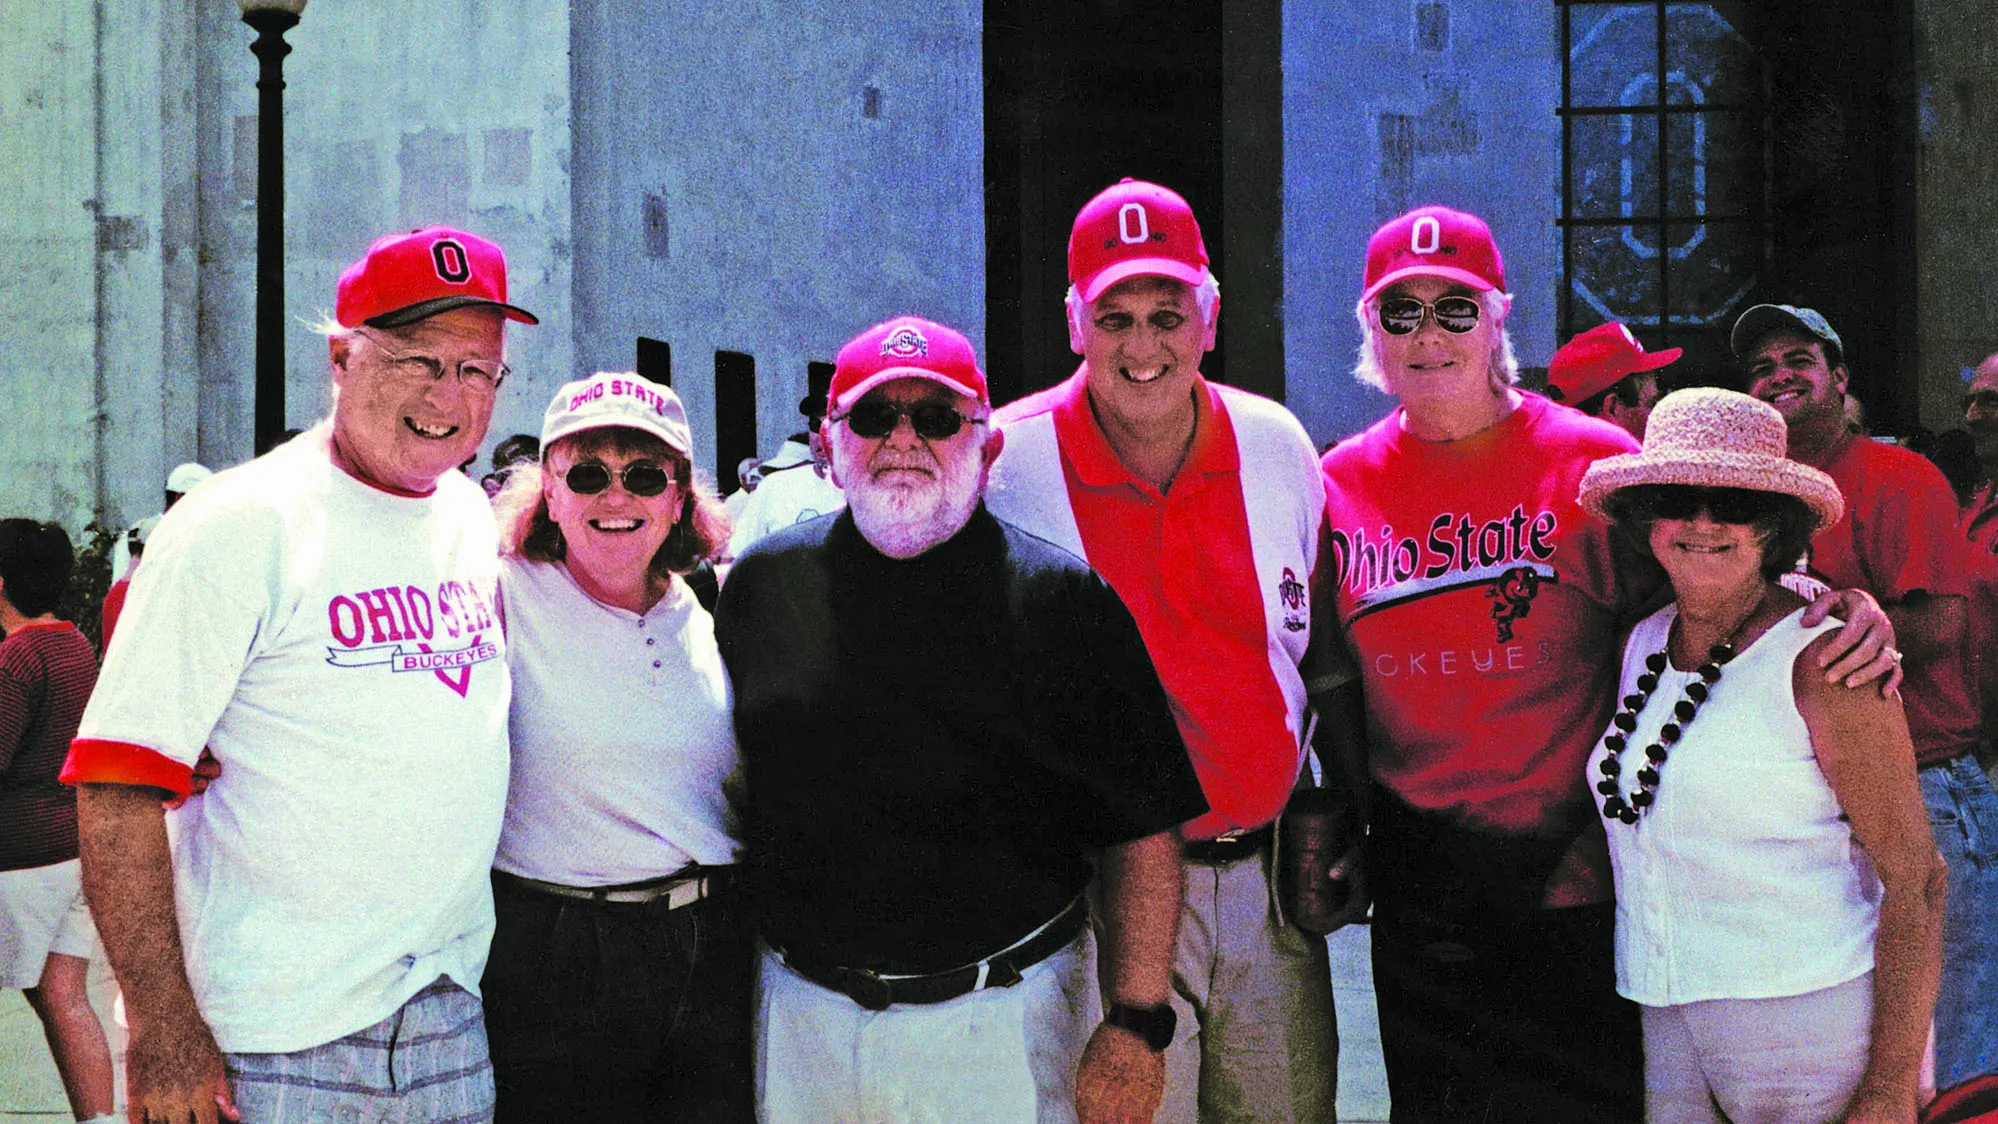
x,y
337,646
623,735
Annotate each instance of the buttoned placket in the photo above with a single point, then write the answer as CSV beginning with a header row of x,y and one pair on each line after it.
x,y
653,643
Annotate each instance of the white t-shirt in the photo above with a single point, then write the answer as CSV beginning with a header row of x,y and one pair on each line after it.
x,y
338,648
623,735
792,491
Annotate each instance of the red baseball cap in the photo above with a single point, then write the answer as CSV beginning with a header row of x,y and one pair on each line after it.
x,y
907,347
1600,358
1134,229
1434,242
406,277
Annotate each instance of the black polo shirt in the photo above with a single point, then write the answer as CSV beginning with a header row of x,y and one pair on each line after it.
x,y
935,746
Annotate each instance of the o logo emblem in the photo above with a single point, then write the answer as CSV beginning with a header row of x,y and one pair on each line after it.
x,y
452,263
1125,232
1426,225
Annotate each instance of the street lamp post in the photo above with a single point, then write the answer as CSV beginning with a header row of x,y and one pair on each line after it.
x,y
271,19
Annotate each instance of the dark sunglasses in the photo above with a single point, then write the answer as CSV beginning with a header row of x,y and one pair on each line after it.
x,y
1400,316
641,478
1739,506
1986,400
875,418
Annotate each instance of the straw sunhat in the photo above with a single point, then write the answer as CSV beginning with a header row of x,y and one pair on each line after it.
x,y
1711,438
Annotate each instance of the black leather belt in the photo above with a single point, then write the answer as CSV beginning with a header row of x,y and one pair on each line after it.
x,y
685,887
1227,848
877,991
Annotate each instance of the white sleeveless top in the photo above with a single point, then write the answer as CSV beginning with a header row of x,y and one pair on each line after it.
x,y
1743,880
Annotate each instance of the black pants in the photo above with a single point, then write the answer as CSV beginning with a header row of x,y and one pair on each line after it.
x,y
1493,1013
606,1012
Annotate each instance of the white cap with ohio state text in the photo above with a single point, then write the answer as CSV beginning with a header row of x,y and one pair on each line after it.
x,y
618,398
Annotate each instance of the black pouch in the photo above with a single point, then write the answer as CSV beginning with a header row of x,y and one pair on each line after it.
x,y
1316,827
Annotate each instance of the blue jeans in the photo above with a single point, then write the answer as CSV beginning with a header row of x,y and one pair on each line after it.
x,y
1963,814
621,1013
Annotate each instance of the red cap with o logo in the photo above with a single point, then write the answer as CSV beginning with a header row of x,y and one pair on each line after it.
x,y
1134,229
1434,242
406,277
907,347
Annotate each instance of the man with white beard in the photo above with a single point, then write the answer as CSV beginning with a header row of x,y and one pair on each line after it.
x,y
943,722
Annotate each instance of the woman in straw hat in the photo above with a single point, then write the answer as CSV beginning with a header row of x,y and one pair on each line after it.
x,y
1779,897
621,980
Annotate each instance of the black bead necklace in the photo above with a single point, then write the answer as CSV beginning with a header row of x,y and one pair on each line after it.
x,y
1705,676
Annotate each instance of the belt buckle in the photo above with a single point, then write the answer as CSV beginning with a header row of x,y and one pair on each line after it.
x,y
873,993
998,972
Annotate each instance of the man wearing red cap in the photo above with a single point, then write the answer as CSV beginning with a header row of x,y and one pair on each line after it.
x,y
1200,504
1484,609
1605,373
304,940
942,719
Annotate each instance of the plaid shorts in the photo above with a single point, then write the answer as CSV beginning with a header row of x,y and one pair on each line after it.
x,y
424,1064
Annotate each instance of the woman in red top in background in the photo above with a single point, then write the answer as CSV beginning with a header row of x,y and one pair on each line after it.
x,y
47,670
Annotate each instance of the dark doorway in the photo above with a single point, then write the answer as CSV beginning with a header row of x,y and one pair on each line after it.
x,y
1080,95
655,361
735,415
1842,140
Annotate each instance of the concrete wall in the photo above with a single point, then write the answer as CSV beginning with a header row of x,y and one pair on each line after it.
x,y
733,193
1957,199
48,249
1379,119
128,258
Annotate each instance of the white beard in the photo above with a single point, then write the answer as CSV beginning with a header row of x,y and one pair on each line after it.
x,y
908,514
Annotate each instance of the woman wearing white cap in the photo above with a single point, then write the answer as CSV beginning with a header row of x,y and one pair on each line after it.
x,y
1779,898
619,986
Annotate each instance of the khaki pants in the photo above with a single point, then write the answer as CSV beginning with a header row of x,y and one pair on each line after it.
x,y
1258,1040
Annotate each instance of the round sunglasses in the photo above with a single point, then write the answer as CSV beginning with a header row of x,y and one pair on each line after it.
x,y
1401,316
640,478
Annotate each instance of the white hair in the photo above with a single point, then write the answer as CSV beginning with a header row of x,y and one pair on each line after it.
x,y
1206,297
1495,305
325,325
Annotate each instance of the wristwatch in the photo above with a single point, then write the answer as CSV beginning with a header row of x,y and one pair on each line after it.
x,y
1153,1024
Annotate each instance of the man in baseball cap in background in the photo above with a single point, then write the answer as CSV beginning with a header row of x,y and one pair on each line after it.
x,y
1200,504
1605,373
307,936
1900,541
942,721
130,545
